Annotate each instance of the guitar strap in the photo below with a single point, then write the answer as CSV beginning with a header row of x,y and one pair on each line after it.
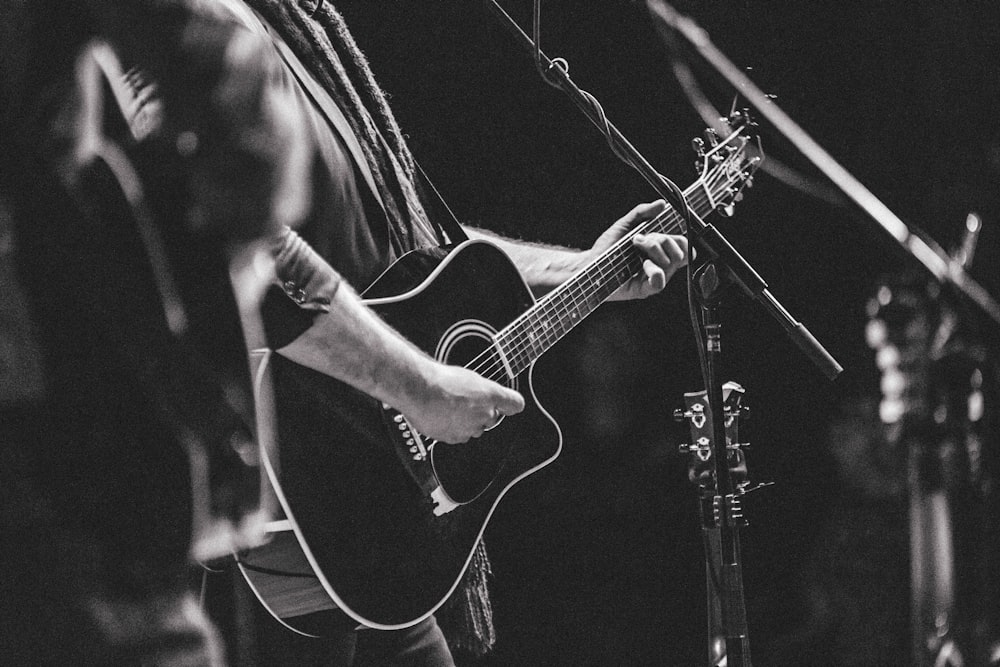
x,y
438,208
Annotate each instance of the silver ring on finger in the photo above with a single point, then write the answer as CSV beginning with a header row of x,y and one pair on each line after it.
x,y
497,418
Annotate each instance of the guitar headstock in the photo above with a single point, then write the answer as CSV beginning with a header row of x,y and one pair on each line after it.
x,y
697,413
934,374
903,315
728,157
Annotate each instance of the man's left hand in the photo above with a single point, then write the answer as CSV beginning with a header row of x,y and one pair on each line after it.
x,y
664,253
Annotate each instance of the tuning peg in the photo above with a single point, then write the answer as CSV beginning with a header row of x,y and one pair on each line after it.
x,y
746,487
711,137
728,210
741,118
699,146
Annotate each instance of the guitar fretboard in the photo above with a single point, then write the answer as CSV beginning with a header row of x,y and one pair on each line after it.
x,y
529,336
558,312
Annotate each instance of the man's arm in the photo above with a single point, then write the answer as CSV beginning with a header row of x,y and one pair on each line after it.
x,y
545,267
448,403
348,341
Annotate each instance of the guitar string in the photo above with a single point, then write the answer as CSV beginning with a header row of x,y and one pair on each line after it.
x,y
490,361
601,269
569,294
553,310
491,364
523,330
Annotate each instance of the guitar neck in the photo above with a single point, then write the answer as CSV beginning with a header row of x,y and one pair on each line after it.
x,y
553,316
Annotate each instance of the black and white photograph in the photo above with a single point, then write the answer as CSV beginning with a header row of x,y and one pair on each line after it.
x,y
499,333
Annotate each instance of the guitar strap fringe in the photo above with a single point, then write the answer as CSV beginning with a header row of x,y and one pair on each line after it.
x,y
467,617
317,34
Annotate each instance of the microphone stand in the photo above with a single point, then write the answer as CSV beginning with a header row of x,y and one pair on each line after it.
x,y
724,266
946,269
726,600
706,236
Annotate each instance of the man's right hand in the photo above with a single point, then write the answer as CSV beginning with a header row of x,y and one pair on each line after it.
x,y
458,404
351,343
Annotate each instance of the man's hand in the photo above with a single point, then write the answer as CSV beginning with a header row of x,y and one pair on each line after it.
x,y
665,253
457,404
351,343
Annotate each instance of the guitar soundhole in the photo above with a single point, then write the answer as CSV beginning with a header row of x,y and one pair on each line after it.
x,y
465,471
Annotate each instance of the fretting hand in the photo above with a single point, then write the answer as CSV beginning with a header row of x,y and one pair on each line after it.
x,y
665,253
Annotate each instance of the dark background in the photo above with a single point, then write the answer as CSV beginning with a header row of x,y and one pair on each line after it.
x,y
598,558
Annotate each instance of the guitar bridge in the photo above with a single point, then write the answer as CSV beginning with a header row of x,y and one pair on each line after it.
x,y
414,454
411,439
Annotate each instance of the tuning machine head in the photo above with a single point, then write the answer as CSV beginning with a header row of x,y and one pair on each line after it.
x,y
741,118
698,145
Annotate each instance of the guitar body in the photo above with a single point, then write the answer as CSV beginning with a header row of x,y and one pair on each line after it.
x,y
380,525
364,533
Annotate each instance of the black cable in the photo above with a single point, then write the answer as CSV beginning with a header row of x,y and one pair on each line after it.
x,y
677,195
548,69
598,116
203,592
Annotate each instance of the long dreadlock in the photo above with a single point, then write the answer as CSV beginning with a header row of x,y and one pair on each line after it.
x,y
317,34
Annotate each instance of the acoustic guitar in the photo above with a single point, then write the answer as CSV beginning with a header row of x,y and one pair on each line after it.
x,y
381,523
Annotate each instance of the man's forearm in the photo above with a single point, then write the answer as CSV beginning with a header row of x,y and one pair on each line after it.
x,y
351,343
543,267
345,339
546,267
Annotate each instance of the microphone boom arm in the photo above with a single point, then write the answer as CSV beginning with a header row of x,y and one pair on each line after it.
x,y
708,238
931,256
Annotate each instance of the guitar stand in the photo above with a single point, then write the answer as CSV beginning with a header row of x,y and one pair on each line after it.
x,y
722,482
710,503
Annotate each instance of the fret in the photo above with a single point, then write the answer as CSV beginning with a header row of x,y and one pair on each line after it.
x,y
558,312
